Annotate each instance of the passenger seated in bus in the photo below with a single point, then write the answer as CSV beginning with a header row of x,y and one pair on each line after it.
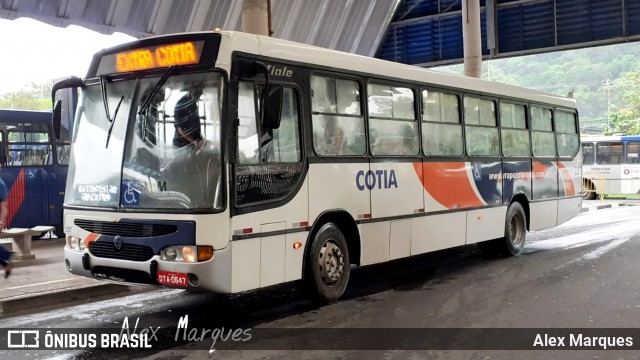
x,y
187,120
29,158
336,142
266,145
409,146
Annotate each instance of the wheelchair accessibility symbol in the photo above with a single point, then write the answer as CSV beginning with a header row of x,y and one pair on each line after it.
x,y
130,193
476,169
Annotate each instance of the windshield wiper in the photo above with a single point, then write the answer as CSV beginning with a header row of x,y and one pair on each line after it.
x,y
147,101
105,100
113,121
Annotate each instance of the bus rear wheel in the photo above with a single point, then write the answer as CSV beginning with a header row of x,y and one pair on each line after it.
x,y
328,266
515,232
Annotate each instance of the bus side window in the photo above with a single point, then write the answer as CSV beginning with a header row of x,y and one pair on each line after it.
x,y
481,131
338,123
441,126
286,138
633,152
587,154
393,120
261,178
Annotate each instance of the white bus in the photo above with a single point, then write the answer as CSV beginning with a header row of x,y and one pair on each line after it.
x,y
611,166
368,161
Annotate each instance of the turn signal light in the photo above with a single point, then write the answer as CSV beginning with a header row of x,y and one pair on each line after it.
x,y
205,253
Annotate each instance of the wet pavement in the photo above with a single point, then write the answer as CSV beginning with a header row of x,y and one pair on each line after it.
x,y
44,283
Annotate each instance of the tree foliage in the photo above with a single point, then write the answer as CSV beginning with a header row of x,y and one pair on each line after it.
x,y
626,120
605,81
36,97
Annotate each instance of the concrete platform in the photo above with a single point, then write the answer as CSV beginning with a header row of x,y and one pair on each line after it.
x,y
44,283
593,205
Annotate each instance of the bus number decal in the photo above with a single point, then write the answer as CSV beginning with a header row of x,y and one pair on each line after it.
x,y
96,193
380,179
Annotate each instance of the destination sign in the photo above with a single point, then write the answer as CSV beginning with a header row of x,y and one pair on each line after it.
x,y
165,55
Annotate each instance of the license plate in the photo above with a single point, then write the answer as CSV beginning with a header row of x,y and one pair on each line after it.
x,y
172,278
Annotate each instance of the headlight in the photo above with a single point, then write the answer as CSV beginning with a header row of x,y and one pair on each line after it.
x,y
171,253
187,254
75,243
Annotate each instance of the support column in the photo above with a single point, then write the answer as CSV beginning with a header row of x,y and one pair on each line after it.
x,y
471,32
255,17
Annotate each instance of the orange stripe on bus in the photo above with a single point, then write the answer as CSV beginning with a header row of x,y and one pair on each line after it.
x,y
90,238
569,189
449,184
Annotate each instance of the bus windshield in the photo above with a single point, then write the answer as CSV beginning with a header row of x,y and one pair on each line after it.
x,y
155,144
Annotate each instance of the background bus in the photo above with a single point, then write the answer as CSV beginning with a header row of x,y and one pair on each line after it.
x,y
34,168
611,166
370,161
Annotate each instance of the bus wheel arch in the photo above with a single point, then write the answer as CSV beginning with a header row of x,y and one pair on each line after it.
x,y
524,202
515,229
333,245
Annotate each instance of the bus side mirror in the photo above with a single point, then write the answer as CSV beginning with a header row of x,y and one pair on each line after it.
x,y
272,106
249,69
58,99
57,119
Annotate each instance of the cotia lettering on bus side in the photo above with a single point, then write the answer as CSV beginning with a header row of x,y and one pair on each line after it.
x,y
378,179
283,71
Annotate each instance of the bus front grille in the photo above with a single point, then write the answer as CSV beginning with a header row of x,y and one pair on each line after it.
x,y
127,275
129,252
126,229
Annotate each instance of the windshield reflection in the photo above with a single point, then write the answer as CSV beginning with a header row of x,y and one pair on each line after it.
x,y
171,157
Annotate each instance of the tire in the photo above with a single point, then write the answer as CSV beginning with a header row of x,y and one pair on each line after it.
x,y
588,190
328,266
515,231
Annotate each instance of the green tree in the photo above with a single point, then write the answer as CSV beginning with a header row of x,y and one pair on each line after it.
x,y
626,118
36,97
623,123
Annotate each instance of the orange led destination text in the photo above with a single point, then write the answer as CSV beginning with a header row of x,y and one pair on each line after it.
x,y
175,54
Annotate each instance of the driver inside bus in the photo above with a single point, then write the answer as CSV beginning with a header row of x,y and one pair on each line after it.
x,y
187,120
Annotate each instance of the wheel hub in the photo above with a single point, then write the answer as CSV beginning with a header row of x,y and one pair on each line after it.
x,y
331,263
516,231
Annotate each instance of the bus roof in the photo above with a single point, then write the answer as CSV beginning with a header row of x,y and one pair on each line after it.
x,y
17,116
297,52
616,138
302,53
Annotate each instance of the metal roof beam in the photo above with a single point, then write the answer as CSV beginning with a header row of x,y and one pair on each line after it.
x,y
232,22
118,13
159,15
198,15
341,22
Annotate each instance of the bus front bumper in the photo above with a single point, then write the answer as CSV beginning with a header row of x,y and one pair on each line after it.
x,y
212,275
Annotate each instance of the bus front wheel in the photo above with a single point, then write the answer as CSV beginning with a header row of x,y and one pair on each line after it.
x,y
515,232
328,266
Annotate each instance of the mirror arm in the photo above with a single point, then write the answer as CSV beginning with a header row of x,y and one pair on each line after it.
x,y
63,84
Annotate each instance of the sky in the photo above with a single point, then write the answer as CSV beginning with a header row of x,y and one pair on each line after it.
x,y
33,51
